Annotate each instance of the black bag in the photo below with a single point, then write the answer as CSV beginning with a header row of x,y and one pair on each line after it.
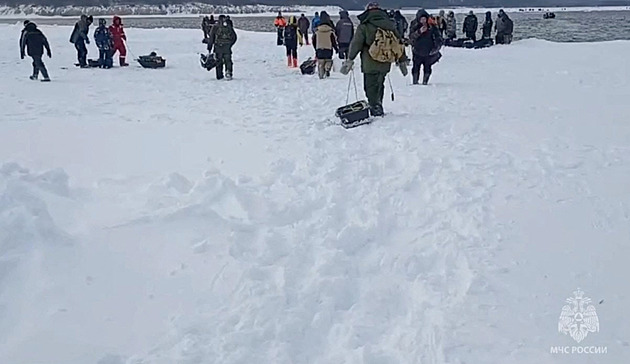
x,y
308,67
208,61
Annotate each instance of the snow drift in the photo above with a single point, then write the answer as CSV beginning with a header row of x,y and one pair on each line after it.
x,y
161,216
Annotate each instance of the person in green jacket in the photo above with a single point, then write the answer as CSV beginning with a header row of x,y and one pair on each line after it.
x,y
374,72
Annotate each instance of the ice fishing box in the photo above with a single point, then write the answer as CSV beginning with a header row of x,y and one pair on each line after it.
x,y
152,61
354,112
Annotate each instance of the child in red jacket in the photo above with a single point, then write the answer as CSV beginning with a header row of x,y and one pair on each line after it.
x,y
119,37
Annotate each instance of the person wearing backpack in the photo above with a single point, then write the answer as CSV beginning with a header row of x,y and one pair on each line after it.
x,y
280,23
35,41
324,42
303,25
104,43
426,42
401,23
291,39
486,27
222,38
380,45
470,26
345,31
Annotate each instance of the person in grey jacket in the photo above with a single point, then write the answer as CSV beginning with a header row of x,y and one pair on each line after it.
x,y
451,26
345,31
504,27
79,38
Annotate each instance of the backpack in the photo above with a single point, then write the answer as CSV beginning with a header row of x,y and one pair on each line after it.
x,y
386,47
223,36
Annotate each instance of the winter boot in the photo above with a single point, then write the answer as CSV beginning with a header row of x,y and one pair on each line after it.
x,y
289,61
415,78
33,77
295,63
377,110
425,78
46,79
228,76
122,62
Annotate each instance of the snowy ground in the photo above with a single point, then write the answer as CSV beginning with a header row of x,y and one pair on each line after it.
x,y
160,216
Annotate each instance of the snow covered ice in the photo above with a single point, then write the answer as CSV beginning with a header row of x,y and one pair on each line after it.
x,y
161,216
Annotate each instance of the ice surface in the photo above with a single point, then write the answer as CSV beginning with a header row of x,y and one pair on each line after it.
x,y
161,216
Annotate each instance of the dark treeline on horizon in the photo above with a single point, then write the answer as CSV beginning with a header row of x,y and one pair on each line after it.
x,y
347,4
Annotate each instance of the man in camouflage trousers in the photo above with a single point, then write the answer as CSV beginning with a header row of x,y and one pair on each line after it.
x,y
222,38
374,72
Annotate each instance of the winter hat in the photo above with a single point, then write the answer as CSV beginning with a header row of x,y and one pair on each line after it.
x,y
102,22
372,5
422,13
324,17
26,22
471,13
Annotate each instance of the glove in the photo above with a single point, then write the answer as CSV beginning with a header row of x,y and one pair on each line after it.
x,y
87,41
22,56
49,54
346,67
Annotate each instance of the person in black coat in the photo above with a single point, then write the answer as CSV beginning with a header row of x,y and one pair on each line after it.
x,y
470,26
486,28
426,42
34,41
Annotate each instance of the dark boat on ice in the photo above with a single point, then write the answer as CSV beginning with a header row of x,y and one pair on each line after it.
x,y
549,15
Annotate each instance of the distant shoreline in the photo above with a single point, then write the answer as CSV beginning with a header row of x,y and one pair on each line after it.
x,y
249,11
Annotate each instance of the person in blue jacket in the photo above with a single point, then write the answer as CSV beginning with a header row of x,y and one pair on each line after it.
x,y
315,22
104,42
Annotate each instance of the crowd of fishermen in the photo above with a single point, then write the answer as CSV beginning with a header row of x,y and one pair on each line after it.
x,y
381,39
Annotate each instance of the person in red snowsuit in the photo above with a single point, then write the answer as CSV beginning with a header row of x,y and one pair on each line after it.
x,y
119,37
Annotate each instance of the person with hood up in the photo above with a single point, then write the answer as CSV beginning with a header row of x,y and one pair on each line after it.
x,y
23,31
486,27
441,22
291,38
206,25
303,25
401,23
280,23
324,42
119,38
426,42
345,31
374,72
222,39
79,38
504,27
35,41
470,26
315,22
104,43
451,25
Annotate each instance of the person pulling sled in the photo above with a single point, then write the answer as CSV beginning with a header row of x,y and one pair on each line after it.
x,y
119,39
222,39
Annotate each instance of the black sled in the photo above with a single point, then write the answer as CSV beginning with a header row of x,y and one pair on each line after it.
x,y
308,67
208,61
152,61
354,114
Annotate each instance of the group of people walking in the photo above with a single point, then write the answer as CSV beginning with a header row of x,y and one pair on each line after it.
x,y
327,38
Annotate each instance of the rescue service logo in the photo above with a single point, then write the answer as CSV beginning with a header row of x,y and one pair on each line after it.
x,y
578,318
